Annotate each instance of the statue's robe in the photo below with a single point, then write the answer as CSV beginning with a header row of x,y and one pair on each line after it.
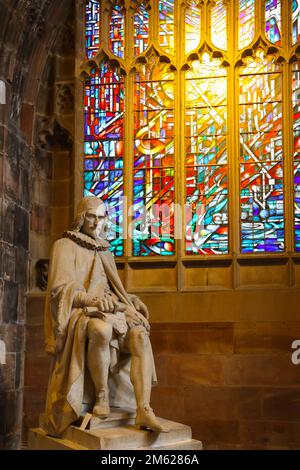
x,y
78,263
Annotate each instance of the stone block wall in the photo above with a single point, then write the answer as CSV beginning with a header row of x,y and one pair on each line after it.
x,y
37,364
233,383
52,178
28,33
15,156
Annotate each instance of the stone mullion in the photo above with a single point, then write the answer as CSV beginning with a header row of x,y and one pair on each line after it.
x,y
180,131
288,148
259,18
177,113
79,106
128,133
233,134
127,158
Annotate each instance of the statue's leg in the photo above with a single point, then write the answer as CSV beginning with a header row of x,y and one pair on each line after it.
x,y
98,360
141,377
141,364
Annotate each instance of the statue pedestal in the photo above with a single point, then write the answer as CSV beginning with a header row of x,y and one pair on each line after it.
x,y
116,433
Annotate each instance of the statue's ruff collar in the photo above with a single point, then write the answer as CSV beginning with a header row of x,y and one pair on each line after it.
x,y
86,241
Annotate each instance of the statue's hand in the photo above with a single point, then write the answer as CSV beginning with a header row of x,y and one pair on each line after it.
x,y
106,304
135,318
143,320
140,306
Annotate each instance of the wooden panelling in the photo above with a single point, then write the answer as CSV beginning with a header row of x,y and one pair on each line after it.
x,y
263,273
205,276
159,277
296,272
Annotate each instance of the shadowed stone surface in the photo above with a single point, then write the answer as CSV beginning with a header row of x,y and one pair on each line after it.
x,y
117,433
29,31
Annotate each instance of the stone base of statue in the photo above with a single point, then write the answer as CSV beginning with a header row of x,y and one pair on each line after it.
x,y
117,432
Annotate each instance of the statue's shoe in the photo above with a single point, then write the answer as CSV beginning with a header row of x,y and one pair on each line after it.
x,y
101,407
146,419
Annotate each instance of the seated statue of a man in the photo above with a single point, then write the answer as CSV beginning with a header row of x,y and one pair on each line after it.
x,y
90,322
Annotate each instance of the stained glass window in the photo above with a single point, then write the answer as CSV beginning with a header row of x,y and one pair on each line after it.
x,y
103,147
117,31
141,30
182,70
246,22
192,26
218,24
153,174
273,21
261,159
92,19
296,21
166,25
206,158
296,132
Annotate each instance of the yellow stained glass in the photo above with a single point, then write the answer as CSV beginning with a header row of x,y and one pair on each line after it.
x,y
246,22
206,182
166,25
192,26
218,25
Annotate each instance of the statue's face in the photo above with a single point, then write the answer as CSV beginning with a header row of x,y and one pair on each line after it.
x,y
94,221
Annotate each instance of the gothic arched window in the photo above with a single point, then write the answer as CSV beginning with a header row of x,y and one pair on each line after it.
x,y
190,112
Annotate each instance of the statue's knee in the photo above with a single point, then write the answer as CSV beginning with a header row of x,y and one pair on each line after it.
x,y
139,337
99,331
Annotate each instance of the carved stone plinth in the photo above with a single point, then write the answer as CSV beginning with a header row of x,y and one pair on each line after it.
x,y
115,433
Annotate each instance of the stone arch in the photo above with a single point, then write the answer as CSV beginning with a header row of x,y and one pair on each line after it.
x,y
36,88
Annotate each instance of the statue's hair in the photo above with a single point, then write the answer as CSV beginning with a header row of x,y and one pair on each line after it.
x,y
78,221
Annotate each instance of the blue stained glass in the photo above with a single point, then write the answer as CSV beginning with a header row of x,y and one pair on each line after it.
x,y
261,164
92,20
273,20
141,30
103,146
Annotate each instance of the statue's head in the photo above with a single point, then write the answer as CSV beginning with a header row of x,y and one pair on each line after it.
x,y
91,217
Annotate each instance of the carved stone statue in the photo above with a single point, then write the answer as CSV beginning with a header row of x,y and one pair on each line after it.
x,y
92,324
